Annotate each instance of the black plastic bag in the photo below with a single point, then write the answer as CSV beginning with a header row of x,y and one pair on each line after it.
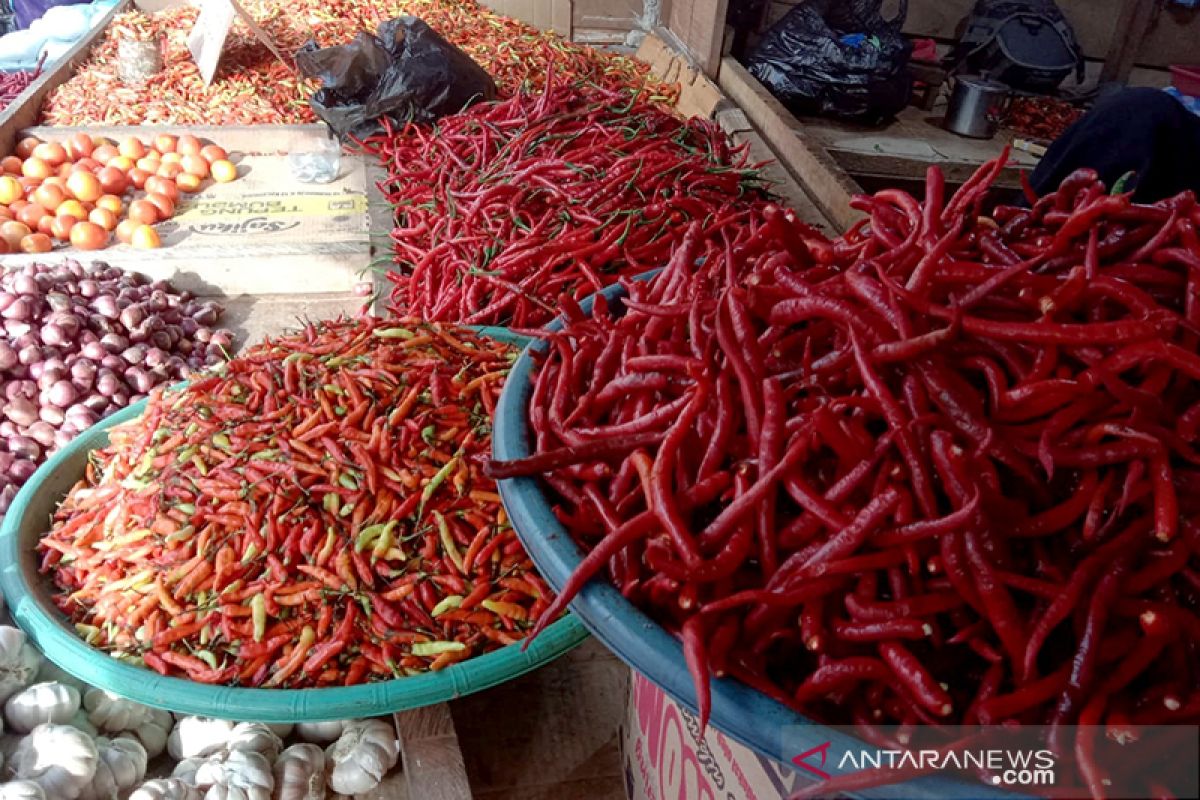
x,y
838,59
1027,44
405,72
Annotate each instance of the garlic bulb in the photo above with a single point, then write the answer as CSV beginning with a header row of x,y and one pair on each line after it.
x,y
320,732
120,767
255,737
166,789
300,773
40,703
59,758
365,752
198,736
19,661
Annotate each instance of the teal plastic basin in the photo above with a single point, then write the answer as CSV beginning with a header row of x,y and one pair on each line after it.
x,y
29,599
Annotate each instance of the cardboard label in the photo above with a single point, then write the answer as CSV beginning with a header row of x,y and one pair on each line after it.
x,y
206,42
666,757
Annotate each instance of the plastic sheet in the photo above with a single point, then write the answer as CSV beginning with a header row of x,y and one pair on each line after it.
x,y
837,59
405,72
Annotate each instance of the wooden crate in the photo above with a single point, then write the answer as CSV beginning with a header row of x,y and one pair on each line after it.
x,y
263,234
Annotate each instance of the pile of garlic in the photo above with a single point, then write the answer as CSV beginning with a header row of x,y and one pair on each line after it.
x,y
63,740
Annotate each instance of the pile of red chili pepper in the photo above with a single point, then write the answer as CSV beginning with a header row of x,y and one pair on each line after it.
x,y
13,83
944,469
315,514
504,206
1044,118
253,87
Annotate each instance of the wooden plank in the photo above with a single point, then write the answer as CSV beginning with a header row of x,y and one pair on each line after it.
x,y
26,110
908,145
551,734
735,123
700,26
432,761
1132,25
822,178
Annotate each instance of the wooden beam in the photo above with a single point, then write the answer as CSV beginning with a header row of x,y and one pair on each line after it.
x,y
1132,26
830,186
433,762
27,108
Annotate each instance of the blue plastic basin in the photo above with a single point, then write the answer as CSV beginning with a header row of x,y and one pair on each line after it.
x,y
738,711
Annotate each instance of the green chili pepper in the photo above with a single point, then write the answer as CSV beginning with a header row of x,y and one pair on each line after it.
x,y
436,648
393,333
258,614
446,603
448,543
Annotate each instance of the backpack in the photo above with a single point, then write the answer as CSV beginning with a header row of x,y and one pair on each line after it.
x,y
1027,44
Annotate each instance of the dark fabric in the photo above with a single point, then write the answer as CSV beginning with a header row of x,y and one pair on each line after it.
x,y
1143,131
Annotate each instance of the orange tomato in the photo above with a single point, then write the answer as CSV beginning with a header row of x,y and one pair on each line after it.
x,y
11,165
35,167
224,171
3,246
125,230
29,184
60,227
52,153
145,238
195,165
165,143
36,243
88,236
46,224
213,153
105,153
161,185
24,148
132,148
149,164
187,182
164,204
17,205
188,145
101,141
5,214
143,212
138,177
112,180
88,163
55,180
123,163
72,208
31,215
104,218
13,232
111,202
64,169
171,158
10,189
49,196
170,171
80,145
84,186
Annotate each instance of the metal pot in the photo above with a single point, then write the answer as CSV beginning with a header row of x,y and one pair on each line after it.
x,y
976,107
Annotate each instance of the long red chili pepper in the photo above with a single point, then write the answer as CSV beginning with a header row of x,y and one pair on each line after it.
x,y
507,206
984,487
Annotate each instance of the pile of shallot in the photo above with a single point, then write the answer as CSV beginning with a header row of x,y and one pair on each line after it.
x,y
79,342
